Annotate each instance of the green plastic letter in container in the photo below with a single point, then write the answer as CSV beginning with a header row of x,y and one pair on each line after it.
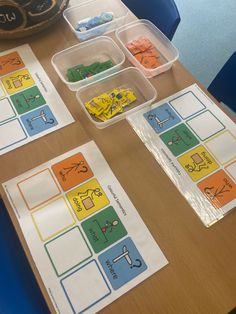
x,y
80,72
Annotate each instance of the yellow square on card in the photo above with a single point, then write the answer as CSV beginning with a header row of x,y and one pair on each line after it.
x,y
87,199
17,81
198,163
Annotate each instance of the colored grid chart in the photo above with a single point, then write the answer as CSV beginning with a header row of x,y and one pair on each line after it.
x,y
85,236
195,143
30,106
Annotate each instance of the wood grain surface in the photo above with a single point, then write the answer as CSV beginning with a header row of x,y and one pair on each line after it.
x,y
201,275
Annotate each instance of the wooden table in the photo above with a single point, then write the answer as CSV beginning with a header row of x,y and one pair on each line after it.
x,y
201,275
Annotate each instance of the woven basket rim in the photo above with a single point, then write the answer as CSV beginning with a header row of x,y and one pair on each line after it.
x,y
34,28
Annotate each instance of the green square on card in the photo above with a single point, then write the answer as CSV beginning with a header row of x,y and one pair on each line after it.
x,y
28,99
103,229
179,139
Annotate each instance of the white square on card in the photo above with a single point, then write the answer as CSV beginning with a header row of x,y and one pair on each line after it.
x,y
11,133
68,250
205,125
231,169
6,110
187,105
2,93
53,218
223,147
85,287
38,189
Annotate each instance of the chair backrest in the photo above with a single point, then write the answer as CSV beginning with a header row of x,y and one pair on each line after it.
x,y
163,13
223,87
19,292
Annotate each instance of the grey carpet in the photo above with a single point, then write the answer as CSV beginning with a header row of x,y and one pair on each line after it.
x,y
206,36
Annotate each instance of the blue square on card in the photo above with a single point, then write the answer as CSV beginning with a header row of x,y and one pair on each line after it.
x,y
38,120
85,287
162,118
122,263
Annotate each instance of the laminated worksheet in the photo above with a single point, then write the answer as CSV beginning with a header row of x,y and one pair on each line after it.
x,y
195,143
87,240
30,106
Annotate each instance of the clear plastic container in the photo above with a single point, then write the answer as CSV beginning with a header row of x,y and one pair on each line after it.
x,y
144,28
99,49
131,78
93,8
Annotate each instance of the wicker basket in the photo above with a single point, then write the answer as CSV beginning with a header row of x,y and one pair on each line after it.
x,y
20,18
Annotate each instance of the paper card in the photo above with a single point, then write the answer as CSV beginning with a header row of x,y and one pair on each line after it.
x,y
162,118
87,293
198,163
187,104
87,199
218,188
223,147
6,110
205,125
38,120
10,62
17,81
28,100
200,145
38,189
93,252
72,171
11,133
53,218
68,251
2,92
231,170
179,139
103,229
25,85
122,263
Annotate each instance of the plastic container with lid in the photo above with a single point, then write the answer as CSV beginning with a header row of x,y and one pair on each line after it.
x,y
98,49
78,13
144,28
131,78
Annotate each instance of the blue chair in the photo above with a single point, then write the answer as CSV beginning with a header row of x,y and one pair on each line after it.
x,y
223,87
163,13
19,292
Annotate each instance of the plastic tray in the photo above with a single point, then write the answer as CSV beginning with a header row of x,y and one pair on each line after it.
x,y
104,49
93,8
128,78
144,28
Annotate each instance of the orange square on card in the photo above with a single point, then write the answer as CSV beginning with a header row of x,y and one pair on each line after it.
x,y
218,188
72,171
10,62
